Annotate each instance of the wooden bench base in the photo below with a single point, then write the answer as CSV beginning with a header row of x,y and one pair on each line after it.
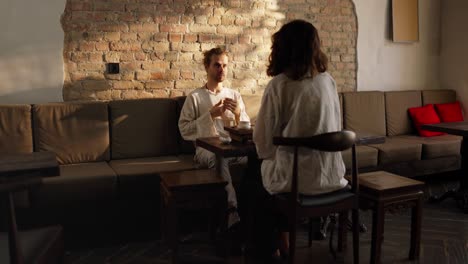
x,y
190,189
381,191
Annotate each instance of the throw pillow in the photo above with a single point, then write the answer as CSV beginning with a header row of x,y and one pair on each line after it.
x,y
450,112
424,115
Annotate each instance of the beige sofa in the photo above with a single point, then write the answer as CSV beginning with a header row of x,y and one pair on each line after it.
x,y
111,153
404,152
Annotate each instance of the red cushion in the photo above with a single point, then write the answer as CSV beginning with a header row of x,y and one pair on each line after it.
x,y
422,116
450,112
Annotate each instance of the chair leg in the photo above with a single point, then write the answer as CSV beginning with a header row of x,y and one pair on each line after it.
x,y
342,222
310,231
292,240
355,216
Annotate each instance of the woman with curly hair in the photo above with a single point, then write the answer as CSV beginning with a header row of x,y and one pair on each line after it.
x,y
300,101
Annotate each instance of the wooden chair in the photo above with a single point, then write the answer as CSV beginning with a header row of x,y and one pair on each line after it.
x,y
41,245
295,205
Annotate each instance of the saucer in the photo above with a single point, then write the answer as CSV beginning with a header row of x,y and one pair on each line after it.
x,y
225,140
244,127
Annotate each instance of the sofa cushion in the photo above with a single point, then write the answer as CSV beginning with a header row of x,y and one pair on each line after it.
x,y
185,146
144,128
77,183
449,112
15,129
138,175
76,132
252,106
396,149
438,96
396,111
434,147
366,157
365,112
422,116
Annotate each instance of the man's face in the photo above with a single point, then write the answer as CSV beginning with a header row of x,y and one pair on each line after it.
x,y
217,69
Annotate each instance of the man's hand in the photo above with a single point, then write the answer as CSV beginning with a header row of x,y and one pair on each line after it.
x,y
231,105
217,109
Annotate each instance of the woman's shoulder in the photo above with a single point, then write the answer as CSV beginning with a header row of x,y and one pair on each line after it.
x,y
324,78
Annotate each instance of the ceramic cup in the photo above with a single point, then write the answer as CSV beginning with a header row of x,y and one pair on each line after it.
x,y
244,125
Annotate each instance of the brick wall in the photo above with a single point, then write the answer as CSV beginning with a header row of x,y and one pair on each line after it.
x,y
159,43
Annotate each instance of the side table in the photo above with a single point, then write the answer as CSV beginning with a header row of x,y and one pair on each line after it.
x,y
190,189
381,191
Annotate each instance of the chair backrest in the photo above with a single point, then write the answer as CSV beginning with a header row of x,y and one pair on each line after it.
x,y
329,142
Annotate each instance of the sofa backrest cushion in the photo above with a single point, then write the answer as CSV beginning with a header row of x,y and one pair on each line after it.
x,y
15,129
438,96
397,104
143,128
364,112
77,132
252,106
186,146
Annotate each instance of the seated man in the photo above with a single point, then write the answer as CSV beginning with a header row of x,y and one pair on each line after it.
x,y
204,114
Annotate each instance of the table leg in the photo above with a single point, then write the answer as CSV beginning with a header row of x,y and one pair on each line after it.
x,y
378,220
416,220
460,195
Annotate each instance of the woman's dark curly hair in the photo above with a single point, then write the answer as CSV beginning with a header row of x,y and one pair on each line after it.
x,y
296,50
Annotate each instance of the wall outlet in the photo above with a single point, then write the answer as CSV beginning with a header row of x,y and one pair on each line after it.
x,y
113,68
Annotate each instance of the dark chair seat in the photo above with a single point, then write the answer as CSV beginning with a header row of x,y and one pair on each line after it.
x,y
321,199
37,245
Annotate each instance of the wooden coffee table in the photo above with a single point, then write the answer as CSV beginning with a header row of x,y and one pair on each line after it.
x,y
459,129
190,189
381,191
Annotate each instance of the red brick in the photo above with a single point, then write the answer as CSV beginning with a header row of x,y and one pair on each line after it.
x,y
172,28
175,37
190,38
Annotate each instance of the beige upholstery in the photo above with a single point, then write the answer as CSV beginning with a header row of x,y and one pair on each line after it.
x,y
438,96
252,106
15,129
364,112
76,132
144,128
440,146
138,174
185,146
366,157
397,104
397,149
77,183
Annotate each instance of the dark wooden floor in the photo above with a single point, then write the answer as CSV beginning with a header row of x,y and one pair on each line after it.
x,y
444,240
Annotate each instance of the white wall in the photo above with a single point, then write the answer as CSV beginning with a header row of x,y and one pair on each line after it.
x,y
454,55
385,65
31,46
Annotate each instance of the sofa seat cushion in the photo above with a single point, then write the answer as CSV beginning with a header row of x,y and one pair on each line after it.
x,y
366,157
142,174
77,183
440,146
397,149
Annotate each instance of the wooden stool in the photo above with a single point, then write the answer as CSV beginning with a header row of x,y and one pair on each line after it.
x,y
192,189
380,191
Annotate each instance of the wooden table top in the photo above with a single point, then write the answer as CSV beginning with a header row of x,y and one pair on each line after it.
x,y
363,138
191,178
454,128
233,149
383,181
21,170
